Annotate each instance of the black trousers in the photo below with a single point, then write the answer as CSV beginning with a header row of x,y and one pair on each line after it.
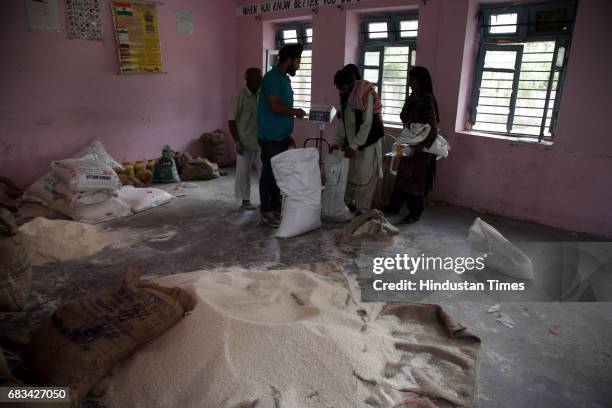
x,y
269,193
414,203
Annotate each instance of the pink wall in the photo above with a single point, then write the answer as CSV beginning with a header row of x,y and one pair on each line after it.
x,y
565,185
58,94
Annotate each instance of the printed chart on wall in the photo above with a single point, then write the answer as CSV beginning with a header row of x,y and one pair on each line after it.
x,y
137,35
84,19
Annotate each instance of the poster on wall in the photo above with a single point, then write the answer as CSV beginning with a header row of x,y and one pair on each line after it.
x,y
184,22
137,34
83,19
42,15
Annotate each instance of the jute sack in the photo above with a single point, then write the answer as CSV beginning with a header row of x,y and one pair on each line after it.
x,y
5,373
369,228
215,148
200,169
15,270
79,344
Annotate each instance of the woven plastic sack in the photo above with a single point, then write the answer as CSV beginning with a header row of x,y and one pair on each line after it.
x,y
165,168
298,176
501,255
333,207
142,199
86,174
93,214
98,152
82,198
42,191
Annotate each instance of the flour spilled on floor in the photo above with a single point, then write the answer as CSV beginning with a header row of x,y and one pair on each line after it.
x,y
58,240
267,336
271,338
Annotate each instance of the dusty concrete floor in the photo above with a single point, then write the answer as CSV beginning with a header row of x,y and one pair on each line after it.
x,y
529,365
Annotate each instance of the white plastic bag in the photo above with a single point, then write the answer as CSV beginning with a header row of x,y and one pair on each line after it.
x,y
93,214
439,147
333,207
501,254
415,134
141,199
97,152
298,176
86,174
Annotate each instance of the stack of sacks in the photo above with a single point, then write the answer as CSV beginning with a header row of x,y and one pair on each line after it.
x,y
88,188
82,188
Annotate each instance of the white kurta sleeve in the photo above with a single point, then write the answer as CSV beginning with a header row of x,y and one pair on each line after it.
x,y
340,134
364,130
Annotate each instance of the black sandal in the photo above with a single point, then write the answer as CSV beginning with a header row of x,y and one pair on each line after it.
x,y
408,220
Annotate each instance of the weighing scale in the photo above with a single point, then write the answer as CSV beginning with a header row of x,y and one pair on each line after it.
x,y
320,115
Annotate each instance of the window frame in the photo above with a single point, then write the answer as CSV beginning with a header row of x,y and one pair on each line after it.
x,y
301,28
480,69
524,34
393,39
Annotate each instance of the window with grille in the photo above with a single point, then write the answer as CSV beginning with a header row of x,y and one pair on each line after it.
x,y
302,81
388,53
520,69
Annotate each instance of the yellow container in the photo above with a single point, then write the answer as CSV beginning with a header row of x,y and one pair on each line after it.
x,y
138,166
151,165
128,168
399,149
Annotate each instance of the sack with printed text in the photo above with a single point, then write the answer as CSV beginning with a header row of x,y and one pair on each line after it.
x,y
86,174
80,343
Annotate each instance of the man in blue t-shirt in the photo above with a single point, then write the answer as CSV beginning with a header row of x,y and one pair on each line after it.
x,y
275,115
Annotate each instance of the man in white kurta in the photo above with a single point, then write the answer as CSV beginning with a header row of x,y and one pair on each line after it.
x,y
243,126
365,165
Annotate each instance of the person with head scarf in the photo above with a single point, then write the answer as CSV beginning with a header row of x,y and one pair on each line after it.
x,y
416,173
358,135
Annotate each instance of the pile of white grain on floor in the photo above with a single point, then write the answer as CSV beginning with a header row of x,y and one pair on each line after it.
x,y
294,338
59,240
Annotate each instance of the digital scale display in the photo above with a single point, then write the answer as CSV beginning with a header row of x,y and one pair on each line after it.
x,y
322,113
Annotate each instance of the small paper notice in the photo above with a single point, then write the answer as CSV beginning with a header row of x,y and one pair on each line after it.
x,y
184,22
42,15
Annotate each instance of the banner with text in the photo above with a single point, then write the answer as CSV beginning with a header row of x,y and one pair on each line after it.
x,y
287,5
